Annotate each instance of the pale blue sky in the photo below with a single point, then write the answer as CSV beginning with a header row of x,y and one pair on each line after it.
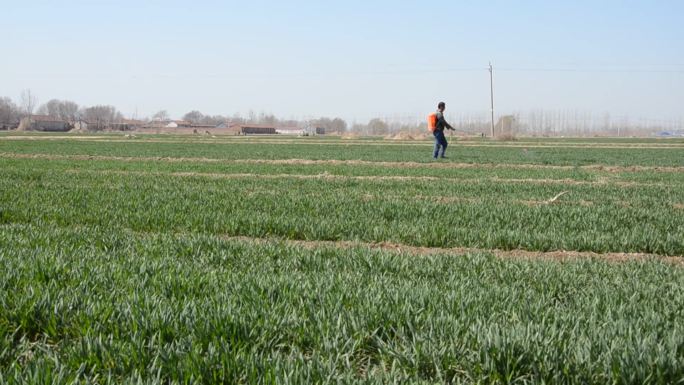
x,y
354,59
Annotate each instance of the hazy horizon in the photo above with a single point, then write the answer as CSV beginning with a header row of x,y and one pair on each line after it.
x,y
352,60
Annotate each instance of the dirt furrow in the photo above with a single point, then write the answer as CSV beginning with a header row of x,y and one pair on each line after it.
x,y
558,255
333,162
379,178
423,143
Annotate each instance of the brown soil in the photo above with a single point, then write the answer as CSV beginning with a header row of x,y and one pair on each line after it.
x,y
400,136
351,139
328,176
603,168
558,255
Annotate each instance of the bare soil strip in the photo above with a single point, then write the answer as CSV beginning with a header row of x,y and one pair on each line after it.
x,y
558,255
333,162
333,139
423,143
326,176
526,202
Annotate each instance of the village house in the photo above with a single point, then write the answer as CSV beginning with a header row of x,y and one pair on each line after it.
x,y
177,124
252,129
203,126
291,131
167,124
9,125
44,123
315,131
126,125
122,125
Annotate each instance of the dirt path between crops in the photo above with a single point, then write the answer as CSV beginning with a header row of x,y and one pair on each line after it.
x,y
334,162
384,178
343,142
378,178
558,255
552,200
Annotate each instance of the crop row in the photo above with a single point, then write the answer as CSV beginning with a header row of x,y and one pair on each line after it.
x,y
373,151
97,306
434,213
333,138
469,141
386,169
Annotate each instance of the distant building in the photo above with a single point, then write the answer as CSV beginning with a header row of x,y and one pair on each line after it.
x,y
9,125
291,131
44,123
178,124
315,131
667,134
203,126
252,129
127,125
81,125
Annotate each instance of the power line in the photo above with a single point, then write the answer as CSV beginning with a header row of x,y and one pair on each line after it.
x,y
599,70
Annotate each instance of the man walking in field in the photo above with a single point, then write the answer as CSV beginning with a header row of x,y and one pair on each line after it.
x,y
438,124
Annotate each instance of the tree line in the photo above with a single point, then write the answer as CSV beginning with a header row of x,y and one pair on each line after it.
x,y
534,122
103,116
68,111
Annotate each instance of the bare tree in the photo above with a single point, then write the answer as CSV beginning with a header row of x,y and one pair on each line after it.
x,y
52,108
378,127
214,120
194,117
68,111
330,125
236,118
268,119
161,116
9,113
359,128
28,102
101,117
338,125
42,110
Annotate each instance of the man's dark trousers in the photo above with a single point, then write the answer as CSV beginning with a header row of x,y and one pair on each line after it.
x,y
440,141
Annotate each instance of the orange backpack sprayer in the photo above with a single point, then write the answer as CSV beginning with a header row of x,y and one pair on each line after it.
x,y
432,122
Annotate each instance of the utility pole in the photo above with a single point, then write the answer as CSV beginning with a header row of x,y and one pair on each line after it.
x,y
491,90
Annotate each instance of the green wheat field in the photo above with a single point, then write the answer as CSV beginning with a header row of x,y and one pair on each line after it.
x,y
162,259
